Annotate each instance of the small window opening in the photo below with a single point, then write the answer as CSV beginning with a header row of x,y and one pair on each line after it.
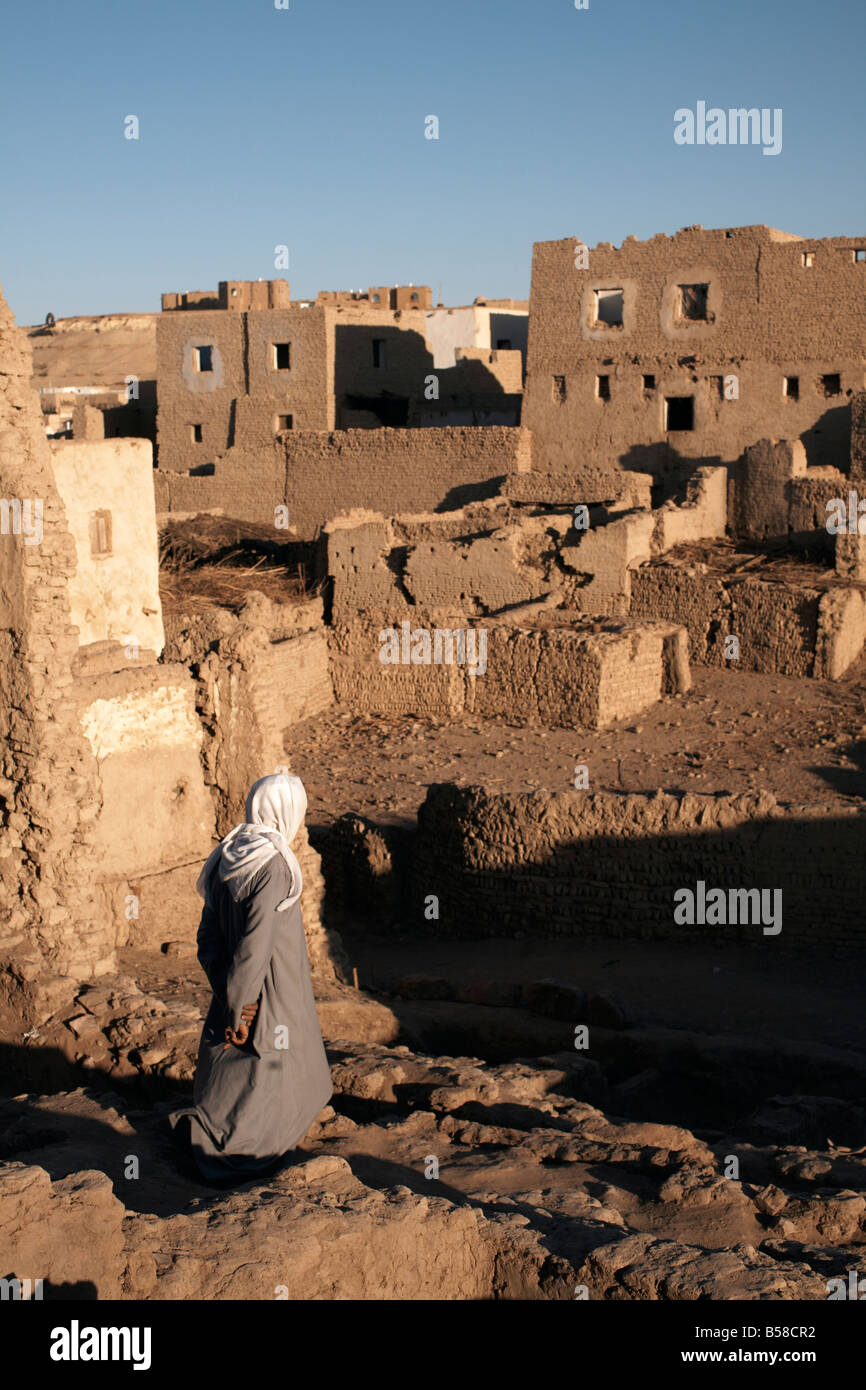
x,y
375,298
196,434
679,413
203,359
100,533
559,390
602,388
282,356
791,388
859,256
608,307
378,352
830,385
808,259
414,297
284,422
693,302
649,381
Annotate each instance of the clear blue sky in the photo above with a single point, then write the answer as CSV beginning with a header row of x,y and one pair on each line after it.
x,y
305,127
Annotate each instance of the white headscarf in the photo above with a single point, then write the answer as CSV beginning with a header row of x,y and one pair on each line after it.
x,y
275,812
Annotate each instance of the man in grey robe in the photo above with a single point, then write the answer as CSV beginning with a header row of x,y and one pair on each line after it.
x,y
262,1075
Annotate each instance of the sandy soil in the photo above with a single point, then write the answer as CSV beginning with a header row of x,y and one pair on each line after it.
x,y
803,740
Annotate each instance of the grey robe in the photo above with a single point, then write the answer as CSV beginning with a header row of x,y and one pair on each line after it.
x,y
255,1103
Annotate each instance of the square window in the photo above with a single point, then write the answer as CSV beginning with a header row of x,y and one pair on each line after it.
x,y
830,385
282,356
203,358
808,259
859,256
283,422
100,533
378,352
649,381
608,307
602,388
195,431
559,389
693,302
679,413
791,388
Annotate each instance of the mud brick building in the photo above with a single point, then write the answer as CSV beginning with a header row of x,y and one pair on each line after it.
x,y
243,366
692,347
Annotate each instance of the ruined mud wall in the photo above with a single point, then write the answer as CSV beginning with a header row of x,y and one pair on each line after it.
x,y
783,629
778,498
492,556
320,475
572,675
580,864
857,470
49,915
769,317
257,675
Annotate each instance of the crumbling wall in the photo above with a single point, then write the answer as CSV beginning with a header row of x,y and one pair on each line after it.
x,y
50,920
702,516
858,438
785,629
251,689
776,496
492,556
581,863
142,728
851,545
607,555
570,674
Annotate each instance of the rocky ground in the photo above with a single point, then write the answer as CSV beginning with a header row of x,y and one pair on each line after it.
x,y
436,1176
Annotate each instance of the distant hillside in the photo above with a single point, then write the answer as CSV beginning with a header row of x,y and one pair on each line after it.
x,y
98,351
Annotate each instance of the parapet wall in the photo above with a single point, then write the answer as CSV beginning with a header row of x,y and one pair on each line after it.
x,y
577,863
